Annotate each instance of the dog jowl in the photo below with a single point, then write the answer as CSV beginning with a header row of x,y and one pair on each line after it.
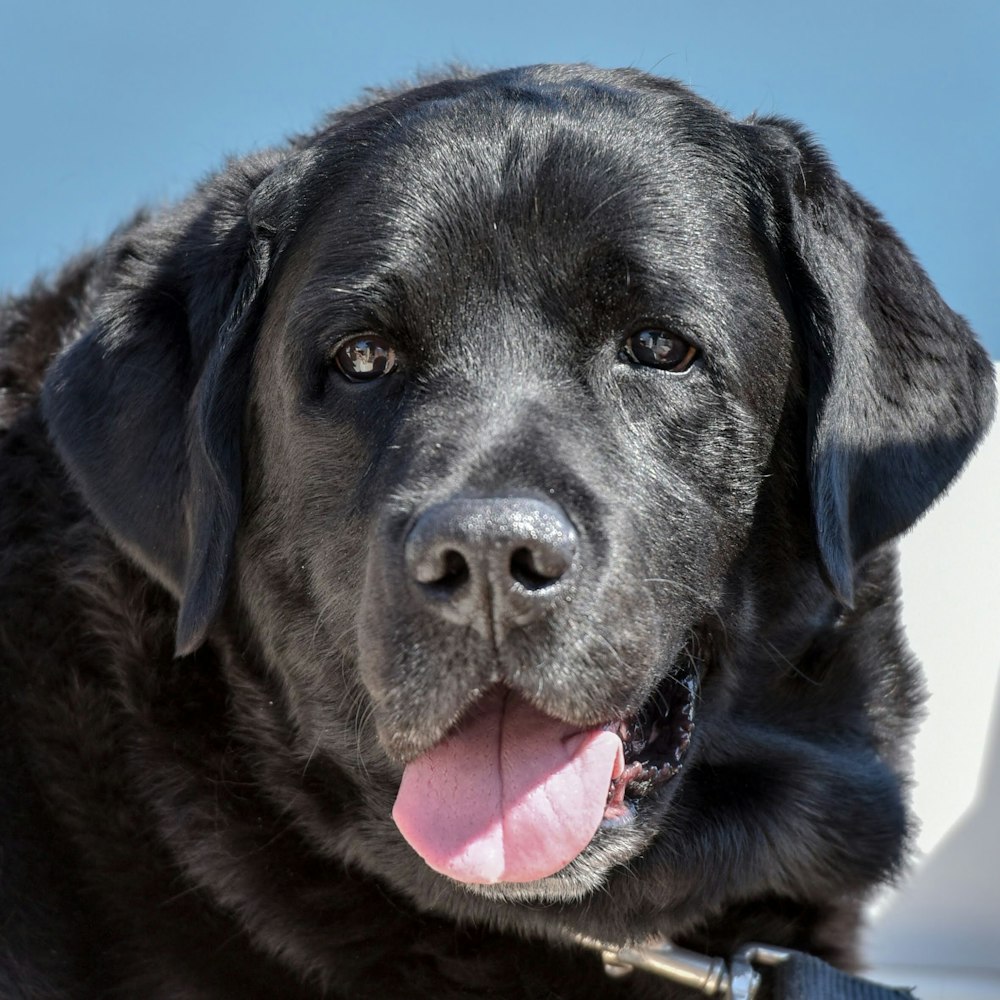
x,y
469,525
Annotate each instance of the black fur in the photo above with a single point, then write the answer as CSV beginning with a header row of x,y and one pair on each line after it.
x,y
195,477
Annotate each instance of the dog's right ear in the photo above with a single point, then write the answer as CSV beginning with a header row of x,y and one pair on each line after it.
x,y
146,407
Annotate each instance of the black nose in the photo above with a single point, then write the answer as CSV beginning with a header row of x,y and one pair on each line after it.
x,y
490,563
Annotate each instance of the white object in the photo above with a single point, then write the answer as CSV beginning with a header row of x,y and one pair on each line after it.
x,y
940,929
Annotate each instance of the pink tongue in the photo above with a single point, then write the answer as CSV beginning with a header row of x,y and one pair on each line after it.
x,y
512,795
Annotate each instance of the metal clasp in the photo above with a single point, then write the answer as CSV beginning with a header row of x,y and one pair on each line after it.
x,y
737,979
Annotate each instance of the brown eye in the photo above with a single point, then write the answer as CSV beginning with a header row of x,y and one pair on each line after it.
x,y
656,349
365,358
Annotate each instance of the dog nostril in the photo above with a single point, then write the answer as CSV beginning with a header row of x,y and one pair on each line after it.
x,y
535,571
455,570
445,569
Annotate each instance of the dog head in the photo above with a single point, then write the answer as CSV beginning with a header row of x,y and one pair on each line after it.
x,y
519,424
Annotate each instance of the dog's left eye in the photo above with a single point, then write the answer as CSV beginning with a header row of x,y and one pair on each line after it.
x,y
657,349
365,358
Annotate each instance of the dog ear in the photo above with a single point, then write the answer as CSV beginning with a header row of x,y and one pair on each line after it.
x,y
146,407
899,390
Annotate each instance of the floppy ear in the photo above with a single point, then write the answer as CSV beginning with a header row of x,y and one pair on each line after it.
x,y
899,390
146,407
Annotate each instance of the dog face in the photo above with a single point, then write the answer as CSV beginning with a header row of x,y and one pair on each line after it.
x,y
535,433
510,394
537,385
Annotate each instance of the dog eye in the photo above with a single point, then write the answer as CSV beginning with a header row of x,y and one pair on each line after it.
x,y
657,349
365,358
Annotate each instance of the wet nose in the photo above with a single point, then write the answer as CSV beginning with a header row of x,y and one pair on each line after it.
x,y
490,563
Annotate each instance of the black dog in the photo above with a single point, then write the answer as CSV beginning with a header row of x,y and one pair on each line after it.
x,y
459,529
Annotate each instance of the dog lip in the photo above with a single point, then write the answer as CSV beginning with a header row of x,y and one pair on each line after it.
x,y
655,740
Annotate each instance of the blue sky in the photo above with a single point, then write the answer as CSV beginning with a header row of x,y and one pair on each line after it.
x,y
109,105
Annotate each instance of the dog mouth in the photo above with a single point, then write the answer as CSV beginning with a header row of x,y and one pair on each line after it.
x,y
655,741
512,794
